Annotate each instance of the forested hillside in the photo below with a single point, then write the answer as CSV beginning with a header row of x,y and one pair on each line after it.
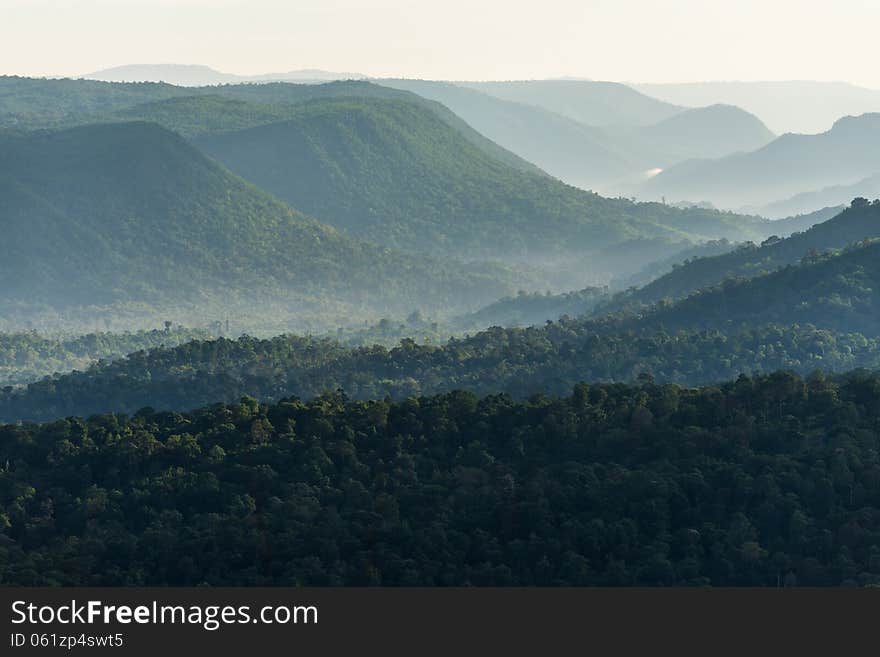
x,y
574,152
30,103
771,481
858,222
595,135
133,214
26,357
833,291
528,309
519,361
391,172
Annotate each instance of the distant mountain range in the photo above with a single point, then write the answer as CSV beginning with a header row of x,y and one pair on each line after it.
x,y
789,165
793,106
594,135
600,104
829,196
189,75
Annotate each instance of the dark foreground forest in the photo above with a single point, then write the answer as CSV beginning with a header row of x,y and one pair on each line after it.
x,y
768,481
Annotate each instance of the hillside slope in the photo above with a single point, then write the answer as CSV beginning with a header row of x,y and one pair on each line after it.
x,y
574,152
393,173
705,132
851,225
789,165
599,136
839,292
132,213
28,103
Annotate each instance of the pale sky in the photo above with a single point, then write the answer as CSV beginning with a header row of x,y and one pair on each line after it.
x,y
623,40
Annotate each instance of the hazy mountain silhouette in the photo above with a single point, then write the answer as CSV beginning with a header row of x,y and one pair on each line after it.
x,y
193,75
586,101
793,106
789,165
837,194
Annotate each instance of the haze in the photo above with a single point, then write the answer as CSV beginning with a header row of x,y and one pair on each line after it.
x,y
625,40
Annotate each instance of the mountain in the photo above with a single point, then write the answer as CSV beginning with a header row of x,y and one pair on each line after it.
x,y
189,75
571,151
793,106
856,223
590,102
789,165
706,132
394,173
133,215
29,103
584,146
242,108
835,291
829,196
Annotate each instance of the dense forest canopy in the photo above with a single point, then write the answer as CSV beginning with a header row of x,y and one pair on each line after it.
x,y
768,481
26,357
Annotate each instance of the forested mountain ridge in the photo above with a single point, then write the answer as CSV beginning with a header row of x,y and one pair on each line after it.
x,y
389,170
586,136
768,481
30,103
522,362
571,151
132,213
836,291
26,357
858,222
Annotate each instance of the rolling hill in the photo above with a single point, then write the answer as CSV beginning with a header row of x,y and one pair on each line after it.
x,y
706,132
852,225
599,136
394,173
131,213
789,106
835,291
30,103
789,165
567,149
